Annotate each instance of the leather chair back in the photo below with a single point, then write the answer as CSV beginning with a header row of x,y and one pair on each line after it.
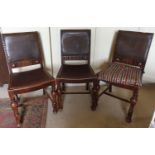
x,y
22,49
132,48
75,45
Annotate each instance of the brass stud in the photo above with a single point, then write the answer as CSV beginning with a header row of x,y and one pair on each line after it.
x,y
13,65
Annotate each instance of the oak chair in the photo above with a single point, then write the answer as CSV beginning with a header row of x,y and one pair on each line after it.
x,y
21,50
75,64
127,66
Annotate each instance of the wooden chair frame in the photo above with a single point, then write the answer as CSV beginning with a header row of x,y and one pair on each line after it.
x,y
23,62
118,56
78,56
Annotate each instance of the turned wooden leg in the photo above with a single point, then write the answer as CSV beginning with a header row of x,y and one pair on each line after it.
x,y
54,102
14,106
59,100
95,90
133,102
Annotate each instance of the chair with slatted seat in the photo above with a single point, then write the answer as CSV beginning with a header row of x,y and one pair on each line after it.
x,y
127,66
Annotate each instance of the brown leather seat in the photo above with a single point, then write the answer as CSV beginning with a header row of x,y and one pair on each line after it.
x,y
33,80
75,46
127,66
76,72
21,50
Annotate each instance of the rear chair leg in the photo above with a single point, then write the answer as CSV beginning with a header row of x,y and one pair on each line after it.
x,y
95,91
133,102
54,102
59,100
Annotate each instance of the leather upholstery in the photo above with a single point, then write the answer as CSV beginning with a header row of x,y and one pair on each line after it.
x,y
22,46
76,72
75,42
29,79
132,47
75,45
24,49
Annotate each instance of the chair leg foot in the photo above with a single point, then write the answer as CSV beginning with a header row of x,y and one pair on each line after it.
x,y
18,125
130,113
95,95
129,118
58,100
133,102
93,108
55,110
58,95
14,106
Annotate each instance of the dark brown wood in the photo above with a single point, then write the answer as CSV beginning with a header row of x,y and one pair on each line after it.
x,y
24,49
75,45
4,74
14,105
94,95
131,48
133,102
